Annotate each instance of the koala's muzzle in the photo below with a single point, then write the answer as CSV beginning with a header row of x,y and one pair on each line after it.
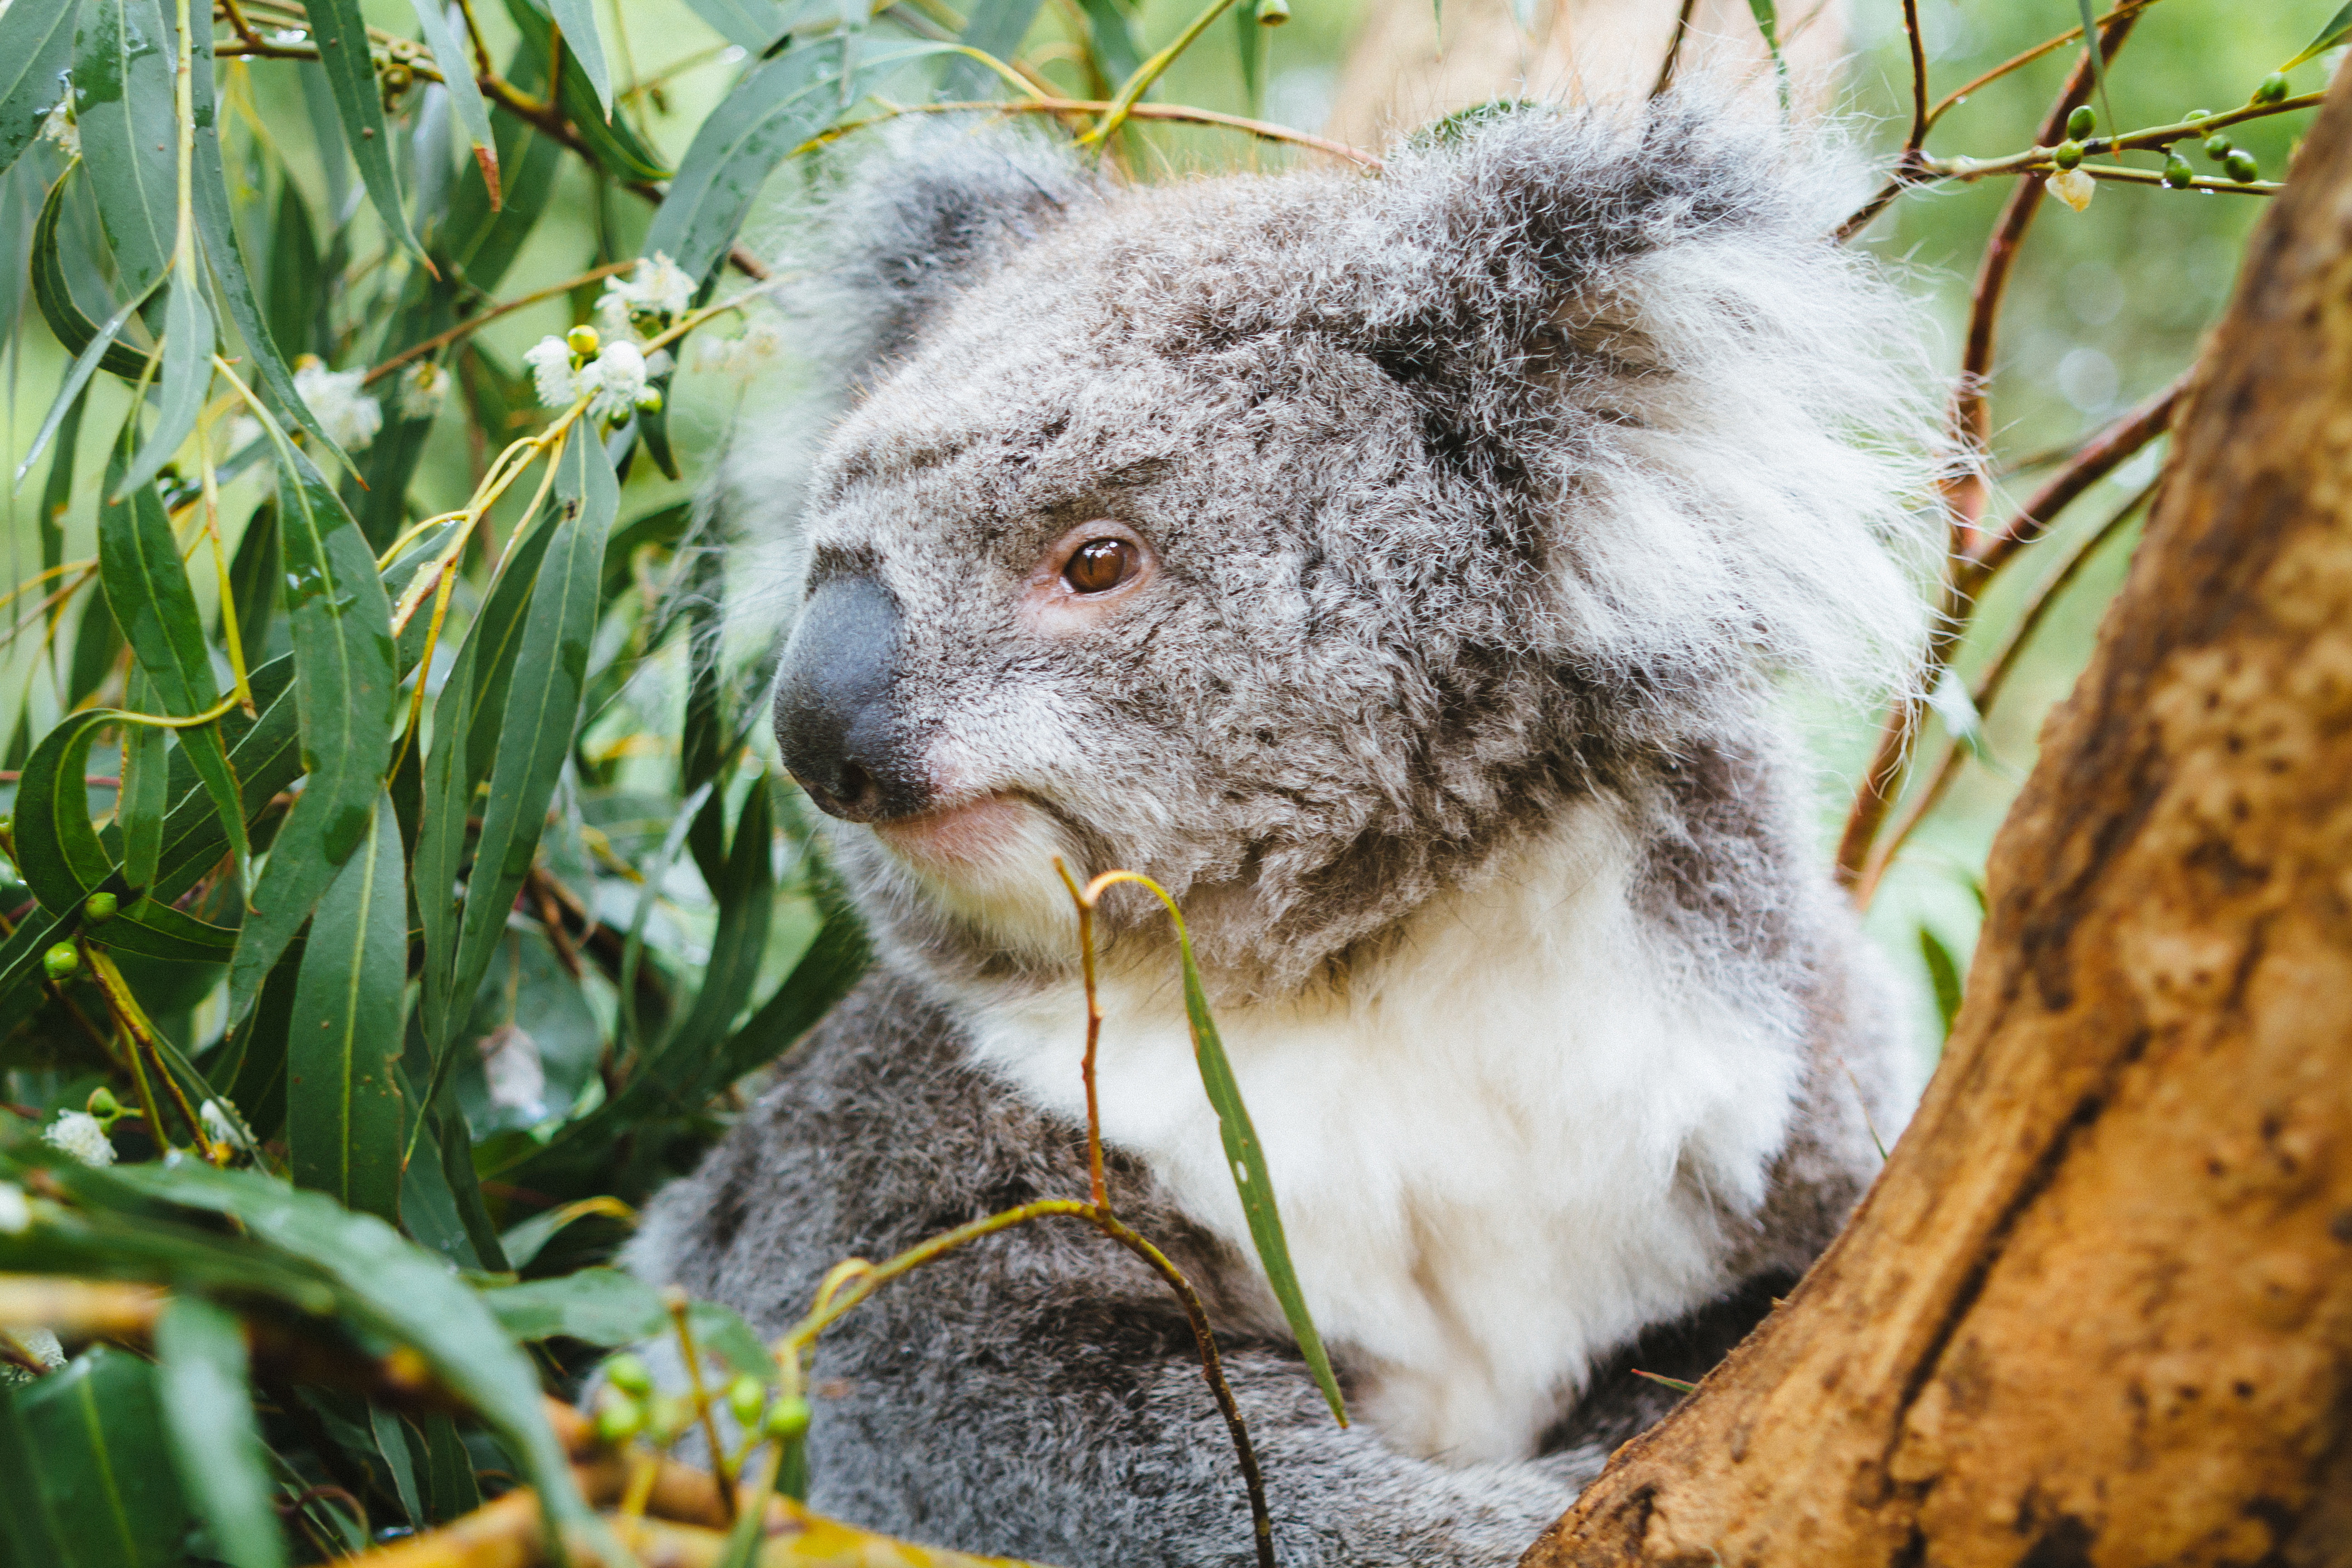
x,y
835,721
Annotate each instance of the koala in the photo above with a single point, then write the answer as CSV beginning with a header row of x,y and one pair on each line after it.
x,y
1404,570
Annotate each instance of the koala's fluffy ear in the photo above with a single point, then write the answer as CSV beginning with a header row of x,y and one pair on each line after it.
x,y
922,212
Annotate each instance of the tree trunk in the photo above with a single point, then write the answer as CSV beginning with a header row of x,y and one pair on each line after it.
x,y
1409,66
2098,1308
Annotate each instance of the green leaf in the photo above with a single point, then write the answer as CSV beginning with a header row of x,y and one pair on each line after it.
x,y
139,807
91,345
751,25
343,1109
296,281
346,685
123,66
250,1067
340,32
611,142
578,20
187,376
2091,43
450,1489
84,1453
1768,22
473,115
147,589
542,704
386,1287
773,109
36,43
1943,974
217,227
745,896
2338,28
996,27
1112,32
1246,1159
154,928
215,1442
57,851
598,1306
56,495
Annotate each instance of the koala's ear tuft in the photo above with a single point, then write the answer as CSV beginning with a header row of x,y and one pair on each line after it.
x,y
917,215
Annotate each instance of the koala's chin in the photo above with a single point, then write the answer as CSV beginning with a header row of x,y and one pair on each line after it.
x,y
1401,571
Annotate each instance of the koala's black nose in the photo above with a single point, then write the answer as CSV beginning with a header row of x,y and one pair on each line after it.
x,y
836,719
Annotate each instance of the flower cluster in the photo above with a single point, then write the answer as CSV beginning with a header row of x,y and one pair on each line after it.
x,y
745,356
350,417
654,294
423,388
616,377
81,1134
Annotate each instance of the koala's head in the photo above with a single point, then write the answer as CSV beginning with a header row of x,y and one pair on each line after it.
x,y
1300,540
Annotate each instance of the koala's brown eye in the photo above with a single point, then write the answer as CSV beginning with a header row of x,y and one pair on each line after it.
x,y
1099,566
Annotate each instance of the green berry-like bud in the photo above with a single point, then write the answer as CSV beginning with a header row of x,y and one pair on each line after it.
x,y
746,1396
788,1418
2271,88
581,340
2082,122
2177,174
650,399
667,1417
2241,166
2067,154
102,1104
618,1417
61,961
1273,13
626,1373
99,909
2218,146
2195,115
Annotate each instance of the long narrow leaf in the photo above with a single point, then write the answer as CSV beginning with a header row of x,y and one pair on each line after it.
x,y
610,143
473,115
187,375
343,1110
542,704
215,1442
122,105
139,806
750,25
578,20
346,685
91,344
36,44
2338,28
745,895
57,851
90,1459
341,34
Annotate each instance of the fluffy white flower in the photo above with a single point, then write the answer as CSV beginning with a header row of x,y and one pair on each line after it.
x,y
15,1210
657,287
747,355
350,417
243,432
219,1126
78,1132
2073,186
424,387
551,372
618,376
58,126
513,1073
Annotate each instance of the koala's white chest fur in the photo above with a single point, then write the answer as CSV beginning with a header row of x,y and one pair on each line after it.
x,y
1496,1158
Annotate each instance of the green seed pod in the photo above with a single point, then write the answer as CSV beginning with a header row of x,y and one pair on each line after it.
x,y
2196,115
2271,88
2082,122
788,1418
2218,146
61,961
2241,166
650,399
2067,154
626,1373
667,1417
618,1417
102,1104
99,909
2176,173
582,341
746,1396
1273,13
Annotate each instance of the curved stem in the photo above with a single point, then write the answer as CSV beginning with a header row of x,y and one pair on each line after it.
x,y
1675,49
1123,101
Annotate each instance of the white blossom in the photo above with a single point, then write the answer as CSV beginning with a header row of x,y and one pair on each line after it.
x,y
659,287
2073,186
551,372
618,376
219,1126
512,1072
243,432
350,417
79,1134
424,387
745,356
58,126
15,1210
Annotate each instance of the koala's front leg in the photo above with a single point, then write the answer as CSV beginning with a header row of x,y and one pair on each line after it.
x,y
986,1405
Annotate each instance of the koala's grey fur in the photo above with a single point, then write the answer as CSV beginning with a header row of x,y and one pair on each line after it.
x,y
1489,496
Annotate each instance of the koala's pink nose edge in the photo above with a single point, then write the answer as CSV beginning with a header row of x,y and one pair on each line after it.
x,y
837,722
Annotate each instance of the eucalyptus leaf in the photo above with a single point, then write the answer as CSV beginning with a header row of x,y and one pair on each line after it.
x,y
88,1475
214,1439
123,64
340,32
37,41
2338,28
187,376
466,104
581,41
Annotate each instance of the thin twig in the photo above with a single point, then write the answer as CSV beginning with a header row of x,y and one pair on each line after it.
x,y
1919,121
1675,49
1266,129
1961,94
475,324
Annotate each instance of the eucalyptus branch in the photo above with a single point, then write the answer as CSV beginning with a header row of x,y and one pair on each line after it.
x,y
475,324
1266,129
2038,159
1123,101
1675,48
1961,94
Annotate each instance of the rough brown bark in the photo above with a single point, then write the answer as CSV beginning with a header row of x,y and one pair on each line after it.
x,y
2098,1308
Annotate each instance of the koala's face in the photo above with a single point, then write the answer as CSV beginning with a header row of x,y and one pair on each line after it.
x,y
1076,587
1298,540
